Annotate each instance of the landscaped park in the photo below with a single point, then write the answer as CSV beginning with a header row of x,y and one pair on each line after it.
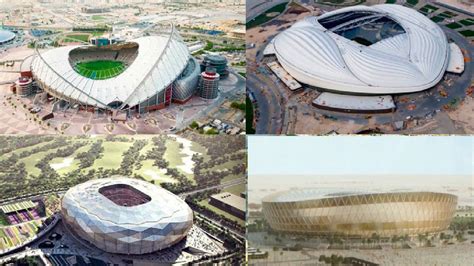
x,y
36,170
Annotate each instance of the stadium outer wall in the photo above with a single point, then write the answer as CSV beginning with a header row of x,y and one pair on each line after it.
x,y
384,214
155,88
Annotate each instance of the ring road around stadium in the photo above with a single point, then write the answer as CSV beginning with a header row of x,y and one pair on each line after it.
x,y
381,49
126,216
310,211
143,74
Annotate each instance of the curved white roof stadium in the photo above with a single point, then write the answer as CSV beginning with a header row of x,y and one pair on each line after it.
x,y
6,36
157,62
127,216
369,50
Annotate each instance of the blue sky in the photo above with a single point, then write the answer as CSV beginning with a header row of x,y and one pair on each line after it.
x,y
361,155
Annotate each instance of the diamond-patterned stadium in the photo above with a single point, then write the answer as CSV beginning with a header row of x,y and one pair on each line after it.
x,y
126,216
359,214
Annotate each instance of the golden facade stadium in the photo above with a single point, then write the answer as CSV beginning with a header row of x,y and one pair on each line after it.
x,y
359,214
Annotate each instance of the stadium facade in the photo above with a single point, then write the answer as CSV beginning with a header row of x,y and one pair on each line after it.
x,y
146,73
6,36
310,211
126,216
381,49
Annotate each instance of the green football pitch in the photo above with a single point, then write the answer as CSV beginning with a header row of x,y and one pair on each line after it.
x,y
100,69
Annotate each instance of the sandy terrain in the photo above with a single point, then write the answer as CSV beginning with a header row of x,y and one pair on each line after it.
x,y
463,115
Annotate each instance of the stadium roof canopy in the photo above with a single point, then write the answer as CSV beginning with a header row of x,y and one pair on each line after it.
x,y
308,194
6,36
159,62
128,216
163,207
369,50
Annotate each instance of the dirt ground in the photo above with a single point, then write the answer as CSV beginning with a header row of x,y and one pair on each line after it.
x,y
463,115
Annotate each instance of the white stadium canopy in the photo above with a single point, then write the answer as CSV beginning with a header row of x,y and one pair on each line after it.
x,y
413,59
159,62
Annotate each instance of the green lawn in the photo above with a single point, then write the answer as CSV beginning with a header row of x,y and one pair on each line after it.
x,y
412,2
97,17
18,151
437,19
262,18
147,147
152,173
175,158
467,22
454,25
100,69
3,221
76,38
112,155
428,9
75,163
196,147
172,154
390,1
33,159
237,189
467,33
226,165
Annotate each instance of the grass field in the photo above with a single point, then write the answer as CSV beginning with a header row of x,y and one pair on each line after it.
x,y
237,189
112,155
467,33
74,164
467,22
100,69
153,173
262,18
172,154
32,160
454,25
437,19
97,17
76,38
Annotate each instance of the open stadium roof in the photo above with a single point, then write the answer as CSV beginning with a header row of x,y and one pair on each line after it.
x,y
128,216
369,50
160,60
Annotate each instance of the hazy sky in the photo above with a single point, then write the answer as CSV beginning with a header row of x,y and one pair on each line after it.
x,y
361,155
347,163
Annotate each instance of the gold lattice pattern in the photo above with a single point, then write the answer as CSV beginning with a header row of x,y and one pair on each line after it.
x,y
385,214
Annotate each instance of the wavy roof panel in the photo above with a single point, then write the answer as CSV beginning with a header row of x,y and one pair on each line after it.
x,y
413,60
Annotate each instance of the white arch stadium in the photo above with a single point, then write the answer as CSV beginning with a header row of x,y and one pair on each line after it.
x,y
148,80
413,57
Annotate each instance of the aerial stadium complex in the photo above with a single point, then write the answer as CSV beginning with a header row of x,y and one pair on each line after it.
x,y
6,36
310,211
126,216
142,74
381,49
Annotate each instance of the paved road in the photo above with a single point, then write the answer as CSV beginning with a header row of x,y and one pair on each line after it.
x,y
268,106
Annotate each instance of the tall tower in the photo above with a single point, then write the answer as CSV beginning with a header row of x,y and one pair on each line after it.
x,y
209,84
